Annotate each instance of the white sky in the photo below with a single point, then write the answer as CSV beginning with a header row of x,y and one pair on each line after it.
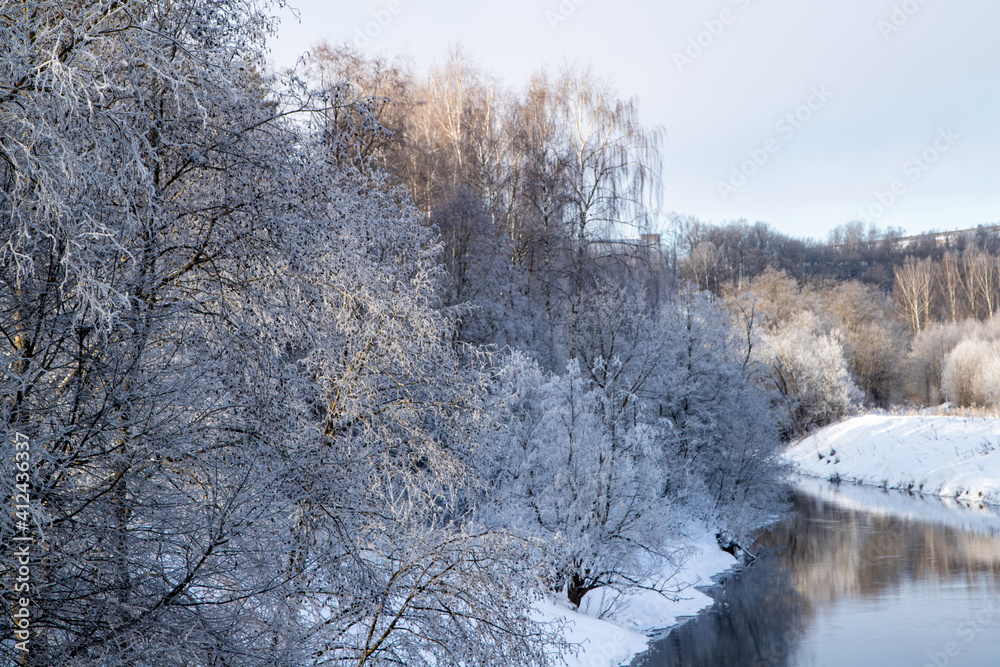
x,y
892,94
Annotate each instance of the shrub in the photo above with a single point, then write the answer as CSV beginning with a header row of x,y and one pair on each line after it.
x,y
971,375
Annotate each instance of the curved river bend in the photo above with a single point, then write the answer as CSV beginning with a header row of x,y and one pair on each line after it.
x,y
855,577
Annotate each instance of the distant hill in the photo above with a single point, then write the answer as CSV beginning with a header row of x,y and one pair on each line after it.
x,y
718,256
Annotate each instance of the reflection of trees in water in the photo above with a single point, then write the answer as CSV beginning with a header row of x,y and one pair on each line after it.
x,y
754,622
823,552
841,552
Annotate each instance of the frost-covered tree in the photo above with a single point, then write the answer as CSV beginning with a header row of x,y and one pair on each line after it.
x,y
395,566
778,299
481,284
131,188
874,342
246,415
583,472
807,367
607,462
914,291
727,438
805,345
363,102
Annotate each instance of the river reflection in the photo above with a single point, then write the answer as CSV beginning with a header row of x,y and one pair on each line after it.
x,y
855,577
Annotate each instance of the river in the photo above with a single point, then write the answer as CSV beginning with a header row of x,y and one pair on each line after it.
x,y
855,576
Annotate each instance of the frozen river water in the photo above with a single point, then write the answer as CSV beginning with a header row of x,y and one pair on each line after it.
x,y
855,576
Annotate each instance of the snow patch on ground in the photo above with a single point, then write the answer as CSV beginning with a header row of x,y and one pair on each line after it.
x,y
599,643
957,457
611,629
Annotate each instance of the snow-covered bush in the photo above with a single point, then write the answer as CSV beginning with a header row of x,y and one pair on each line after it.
x,y
929,351
971,375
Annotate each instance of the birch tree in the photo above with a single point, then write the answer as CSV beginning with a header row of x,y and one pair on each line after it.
x,y
914,291
951,285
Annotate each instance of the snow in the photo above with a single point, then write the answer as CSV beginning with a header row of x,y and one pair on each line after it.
x,y
957,457
599,642
611,629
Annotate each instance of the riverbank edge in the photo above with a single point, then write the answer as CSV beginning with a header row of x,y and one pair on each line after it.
x,y
944,456
837,481
641,618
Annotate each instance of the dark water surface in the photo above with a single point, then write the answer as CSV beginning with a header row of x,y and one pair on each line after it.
x,y
855,577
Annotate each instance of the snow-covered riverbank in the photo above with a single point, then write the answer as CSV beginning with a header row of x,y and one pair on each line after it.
x,y
611,632
957,457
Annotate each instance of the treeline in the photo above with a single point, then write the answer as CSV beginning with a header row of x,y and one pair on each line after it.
x,y
520,186
537,205
956,287
342,367
868,318
718,256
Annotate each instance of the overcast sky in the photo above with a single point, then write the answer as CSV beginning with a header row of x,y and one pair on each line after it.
x,y
805,114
